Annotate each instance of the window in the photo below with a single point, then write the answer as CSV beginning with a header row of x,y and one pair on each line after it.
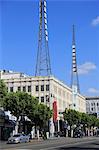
x,y
47,98
97,104
11,89
42,87
24,88
91,104
92,109
42,99
29,88
37,88
19,88
47,87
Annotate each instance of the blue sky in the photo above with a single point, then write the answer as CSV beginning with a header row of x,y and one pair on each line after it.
x,y
19,39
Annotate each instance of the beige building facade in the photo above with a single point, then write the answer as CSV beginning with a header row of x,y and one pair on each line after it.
x,y
46,89
92,105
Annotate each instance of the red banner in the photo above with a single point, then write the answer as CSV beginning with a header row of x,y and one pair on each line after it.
x,y
55,111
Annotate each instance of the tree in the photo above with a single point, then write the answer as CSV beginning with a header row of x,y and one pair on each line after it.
x,y
27,103
41,115
85,120
73,117
11,103
3,92
23,104
93,121
88,120
97,123
19,103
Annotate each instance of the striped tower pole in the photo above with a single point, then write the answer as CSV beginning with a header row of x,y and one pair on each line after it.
x,y
74,79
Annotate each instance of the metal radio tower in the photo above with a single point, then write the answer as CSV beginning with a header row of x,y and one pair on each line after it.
x,y
74,78
43,67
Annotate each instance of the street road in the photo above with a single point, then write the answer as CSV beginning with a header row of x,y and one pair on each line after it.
x,y
56,144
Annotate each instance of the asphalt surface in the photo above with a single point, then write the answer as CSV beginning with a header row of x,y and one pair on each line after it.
x,y
56,144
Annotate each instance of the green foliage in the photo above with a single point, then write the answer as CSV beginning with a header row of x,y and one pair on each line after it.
x,y
21,103
92,121
11,103
41,115
75,117
3,92
72,116
85,119
27,103
97,123
89,120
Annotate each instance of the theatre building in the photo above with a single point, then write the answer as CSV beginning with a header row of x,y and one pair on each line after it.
x,y
47,89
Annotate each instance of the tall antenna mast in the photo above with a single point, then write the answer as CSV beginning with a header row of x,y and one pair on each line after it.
x,y
43,67
74,78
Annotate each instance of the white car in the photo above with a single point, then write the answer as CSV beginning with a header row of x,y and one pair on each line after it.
x,y
18,138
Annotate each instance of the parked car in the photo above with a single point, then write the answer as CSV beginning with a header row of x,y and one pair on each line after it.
x,y
18,138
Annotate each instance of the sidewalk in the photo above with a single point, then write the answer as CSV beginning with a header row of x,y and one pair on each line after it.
x,y
65,138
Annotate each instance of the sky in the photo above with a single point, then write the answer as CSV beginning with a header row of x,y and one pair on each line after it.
x,y
19,22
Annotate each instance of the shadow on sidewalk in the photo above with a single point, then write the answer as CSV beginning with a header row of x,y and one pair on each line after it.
x,y
78,148
95,146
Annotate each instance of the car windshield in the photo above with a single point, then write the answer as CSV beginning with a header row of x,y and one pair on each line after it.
x,y
17,135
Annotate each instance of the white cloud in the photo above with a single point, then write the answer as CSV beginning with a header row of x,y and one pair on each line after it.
x,y
86,68
93,90
95,21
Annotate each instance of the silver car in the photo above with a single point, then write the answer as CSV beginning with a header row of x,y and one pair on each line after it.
x,y
18,138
